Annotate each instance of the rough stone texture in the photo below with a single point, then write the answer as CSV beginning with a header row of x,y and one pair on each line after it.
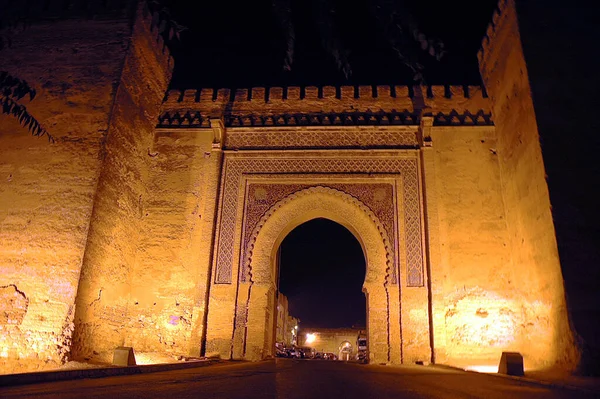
x,y
168,284
547,338
47,190
564,79
148,225
471,275
106,312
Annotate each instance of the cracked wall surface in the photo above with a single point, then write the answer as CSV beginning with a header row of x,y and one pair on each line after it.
x,y
122,233
47,190
106,313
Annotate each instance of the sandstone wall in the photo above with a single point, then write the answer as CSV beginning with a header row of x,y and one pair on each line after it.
x,y
105,306
532,242
564,79
47,190
169,280
476,310
135,209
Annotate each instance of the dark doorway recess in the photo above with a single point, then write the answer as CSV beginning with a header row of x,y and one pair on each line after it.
x,y
322,271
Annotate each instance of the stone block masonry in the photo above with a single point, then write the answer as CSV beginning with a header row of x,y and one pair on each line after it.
x,y
48,191
103,302
346,105
154,219
531,233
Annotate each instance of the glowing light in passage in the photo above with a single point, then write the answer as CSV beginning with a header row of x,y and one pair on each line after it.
x,y
310,338
482,369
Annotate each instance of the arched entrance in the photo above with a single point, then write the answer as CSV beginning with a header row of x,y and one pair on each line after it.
x,y
265,195
253,336
345,351
321,274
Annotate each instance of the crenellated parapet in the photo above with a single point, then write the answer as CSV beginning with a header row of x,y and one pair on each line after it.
x,y
151,21
496,27
328,105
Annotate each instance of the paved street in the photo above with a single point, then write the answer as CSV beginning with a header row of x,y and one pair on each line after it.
x,y
286,378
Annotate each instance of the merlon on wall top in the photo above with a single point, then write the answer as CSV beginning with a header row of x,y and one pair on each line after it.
x,y
327,105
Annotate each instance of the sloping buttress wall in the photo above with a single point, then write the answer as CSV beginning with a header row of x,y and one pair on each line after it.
x,y
105,313
47,190
531,236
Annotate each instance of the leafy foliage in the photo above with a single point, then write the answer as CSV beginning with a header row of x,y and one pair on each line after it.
x,y
392,17
403,35
161,17
283,13
330,40
12,90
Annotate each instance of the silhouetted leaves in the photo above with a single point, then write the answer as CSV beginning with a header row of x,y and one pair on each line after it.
x,y
398,26
283,13
161,17
11,91
330,39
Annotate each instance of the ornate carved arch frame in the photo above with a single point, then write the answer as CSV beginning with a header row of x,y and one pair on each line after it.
x,y
387,182
383,182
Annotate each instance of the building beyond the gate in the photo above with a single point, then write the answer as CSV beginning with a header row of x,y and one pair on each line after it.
x,y
154,220
286,324
342,342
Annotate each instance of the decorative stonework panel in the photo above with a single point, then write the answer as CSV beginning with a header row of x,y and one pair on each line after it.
x,y
235,168
378,197
346,138
198,119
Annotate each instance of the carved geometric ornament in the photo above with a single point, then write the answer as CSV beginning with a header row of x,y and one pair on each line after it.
x,y
236,167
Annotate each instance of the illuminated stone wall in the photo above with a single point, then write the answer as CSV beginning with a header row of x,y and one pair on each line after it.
x,y
169,279
287,325
164,237
110,309
537,282
476,314
47,190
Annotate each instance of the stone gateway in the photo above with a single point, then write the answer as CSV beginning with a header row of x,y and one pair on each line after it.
x,y
155,219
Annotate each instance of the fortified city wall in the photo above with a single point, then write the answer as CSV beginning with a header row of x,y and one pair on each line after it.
x,y
328,105
79,67
532,236
110,231
105,312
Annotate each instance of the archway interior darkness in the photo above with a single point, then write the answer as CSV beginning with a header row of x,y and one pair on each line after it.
x,y
322,271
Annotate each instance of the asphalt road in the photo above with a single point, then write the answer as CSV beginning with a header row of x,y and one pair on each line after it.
x,y
284,378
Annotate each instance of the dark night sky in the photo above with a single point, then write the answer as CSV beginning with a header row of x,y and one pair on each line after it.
x,y
322,273
240,44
